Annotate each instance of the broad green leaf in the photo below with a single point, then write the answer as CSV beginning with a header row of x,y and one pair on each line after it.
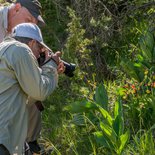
x,y
78,120
149,40
123,139
106,115
118,123
101,140
147,45
109,132
116,126
83,106
137,65
121,91
101,96
129,68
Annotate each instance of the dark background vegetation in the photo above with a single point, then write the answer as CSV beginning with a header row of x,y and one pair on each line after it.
x,y
95,35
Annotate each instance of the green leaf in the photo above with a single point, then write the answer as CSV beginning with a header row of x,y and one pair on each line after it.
x,y
137,65
106,115
147,44
123,139
108,131
118,123
118,108
101,140
130,69
121,91
83,106
78,120
116,126
101,96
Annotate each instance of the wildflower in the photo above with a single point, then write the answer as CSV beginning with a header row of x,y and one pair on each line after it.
x,y
148,91
146,72
133,86
153,85
149,84
125,97
142,105
134,91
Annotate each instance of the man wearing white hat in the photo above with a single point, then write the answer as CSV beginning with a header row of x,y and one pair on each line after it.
x,y
24,11
20,77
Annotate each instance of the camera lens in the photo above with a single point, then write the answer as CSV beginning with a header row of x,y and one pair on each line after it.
x,y
70,68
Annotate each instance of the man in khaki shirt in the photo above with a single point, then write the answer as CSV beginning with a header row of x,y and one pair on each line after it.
x,y
23,11
20,77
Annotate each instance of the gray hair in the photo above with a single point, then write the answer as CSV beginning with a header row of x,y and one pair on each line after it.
x,y
24,40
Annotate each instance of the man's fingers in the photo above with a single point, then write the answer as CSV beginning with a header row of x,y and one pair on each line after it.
x,y
58,54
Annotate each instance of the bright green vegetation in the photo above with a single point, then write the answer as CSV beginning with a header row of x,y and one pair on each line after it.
x,y
108,107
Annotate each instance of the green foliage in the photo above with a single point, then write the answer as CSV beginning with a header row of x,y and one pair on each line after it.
x,y
54,32
76,41
143,143
134,70
99,35
77,44
110,134
147,46
101,96
144,60
140,94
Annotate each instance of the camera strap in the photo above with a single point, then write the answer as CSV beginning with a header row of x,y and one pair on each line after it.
x,y
48,61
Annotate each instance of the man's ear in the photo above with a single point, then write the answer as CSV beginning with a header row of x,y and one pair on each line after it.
x,y
31,43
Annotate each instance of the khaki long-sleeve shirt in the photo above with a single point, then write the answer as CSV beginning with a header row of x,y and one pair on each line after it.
x,y
20,77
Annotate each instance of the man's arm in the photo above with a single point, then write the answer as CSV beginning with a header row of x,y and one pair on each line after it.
x,y
34,81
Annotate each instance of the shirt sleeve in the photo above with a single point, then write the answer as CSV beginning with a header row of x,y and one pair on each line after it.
x,y
34,81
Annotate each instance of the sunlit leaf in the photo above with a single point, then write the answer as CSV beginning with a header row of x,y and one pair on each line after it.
x,y
83,106
78,120
106,115
121,91
102,140
101,96
124,139
108,131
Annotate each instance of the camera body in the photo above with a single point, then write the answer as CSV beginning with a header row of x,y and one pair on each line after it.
x,y
69,67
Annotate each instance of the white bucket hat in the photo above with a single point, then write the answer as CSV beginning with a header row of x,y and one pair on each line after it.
x,y
31,31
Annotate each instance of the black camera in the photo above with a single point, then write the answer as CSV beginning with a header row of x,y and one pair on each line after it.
x,y
69,67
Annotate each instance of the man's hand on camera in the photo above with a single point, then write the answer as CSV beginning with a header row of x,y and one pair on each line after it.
x,y
55,56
